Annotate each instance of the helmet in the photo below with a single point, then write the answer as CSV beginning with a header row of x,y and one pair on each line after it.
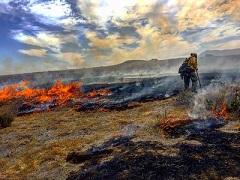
x,y
194,54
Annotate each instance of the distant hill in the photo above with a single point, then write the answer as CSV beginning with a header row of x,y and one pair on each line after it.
x,y
227,52
214,60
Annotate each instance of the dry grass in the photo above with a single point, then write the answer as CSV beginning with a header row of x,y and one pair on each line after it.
x,y
176,117
185,98
36,145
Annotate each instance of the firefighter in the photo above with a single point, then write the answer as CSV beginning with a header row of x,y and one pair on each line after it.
x,y
188,72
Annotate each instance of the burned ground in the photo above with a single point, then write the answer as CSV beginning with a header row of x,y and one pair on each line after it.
x,y
214,154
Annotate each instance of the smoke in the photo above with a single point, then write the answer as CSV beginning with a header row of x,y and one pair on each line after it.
x,y
9,66
218,93
199,110
219,63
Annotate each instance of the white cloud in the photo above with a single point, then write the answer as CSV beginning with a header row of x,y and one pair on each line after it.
x,y
34,52
102,11
221,32
57,12
53,10
45,39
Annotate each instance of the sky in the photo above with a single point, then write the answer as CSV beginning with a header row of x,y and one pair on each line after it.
x,y
41,35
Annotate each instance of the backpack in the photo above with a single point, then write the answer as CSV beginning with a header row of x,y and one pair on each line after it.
x,y
185,68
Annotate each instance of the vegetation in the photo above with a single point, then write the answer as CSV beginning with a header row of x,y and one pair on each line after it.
x,y
227,98
7,115
185,98
6,120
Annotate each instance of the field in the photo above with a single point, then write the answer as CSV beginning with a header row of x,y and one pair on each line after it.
x,y
36,146
143,129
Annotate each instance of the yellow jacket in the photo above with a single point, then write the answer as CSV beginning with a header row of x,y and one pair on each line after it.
x,y
192,62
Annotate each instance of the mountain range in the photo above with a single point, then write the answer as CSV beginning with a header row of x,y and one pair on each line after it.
x,y
209,61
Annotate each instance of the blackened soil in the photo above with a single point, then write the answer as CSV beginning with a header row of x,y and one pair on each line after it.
x,y
216,155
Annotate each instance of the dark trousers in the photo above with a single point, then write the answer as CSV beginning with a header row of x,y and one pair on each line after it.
x,y
190,77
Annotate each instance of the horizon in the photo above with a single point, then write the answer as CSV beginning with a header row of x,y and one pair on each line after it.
x,y
62,34
126,61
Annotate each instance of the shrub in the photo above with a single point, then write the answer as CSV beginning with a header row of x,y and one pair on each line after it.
x,y
235,103
6,119
7,114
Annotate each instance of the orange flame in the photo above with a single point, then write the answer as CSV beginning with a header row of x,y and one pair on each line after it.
x,y
59,93
222,111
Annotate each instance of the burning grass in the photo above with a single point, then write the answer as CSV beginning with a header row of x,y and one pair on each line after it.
x,y
224,102
172,119
217,101
38,99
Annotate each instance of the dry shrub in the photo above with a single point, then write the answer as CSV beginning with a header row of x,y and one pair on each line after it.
x,y
6,120
235,102
7,115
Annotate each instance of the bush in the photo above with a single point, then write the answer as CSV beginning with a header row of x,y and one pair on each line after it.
x,y
6,119
7,114
235,103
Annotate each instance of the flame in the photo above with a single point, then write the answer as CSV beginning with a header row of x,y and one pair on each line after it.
x,y
58,94
222,111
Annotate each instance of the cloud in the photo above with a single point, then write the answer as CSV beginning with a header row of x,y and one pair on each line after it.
x,y
151,44
41,39
73,58
219,32
44,39
229,8
34,52
91,32
102,11
50,12
5,7
111,41
229,45
200,13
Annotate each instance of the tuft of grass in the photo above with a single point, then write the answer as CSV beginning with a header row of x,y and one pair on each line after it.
x,y
185,98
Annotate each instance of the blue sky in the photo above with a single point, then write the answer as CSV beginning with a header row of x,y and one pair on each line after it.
x,y
40,35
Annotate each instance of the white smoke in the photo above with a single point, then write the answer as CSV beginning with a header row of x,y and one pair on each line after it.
x,y
216,92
